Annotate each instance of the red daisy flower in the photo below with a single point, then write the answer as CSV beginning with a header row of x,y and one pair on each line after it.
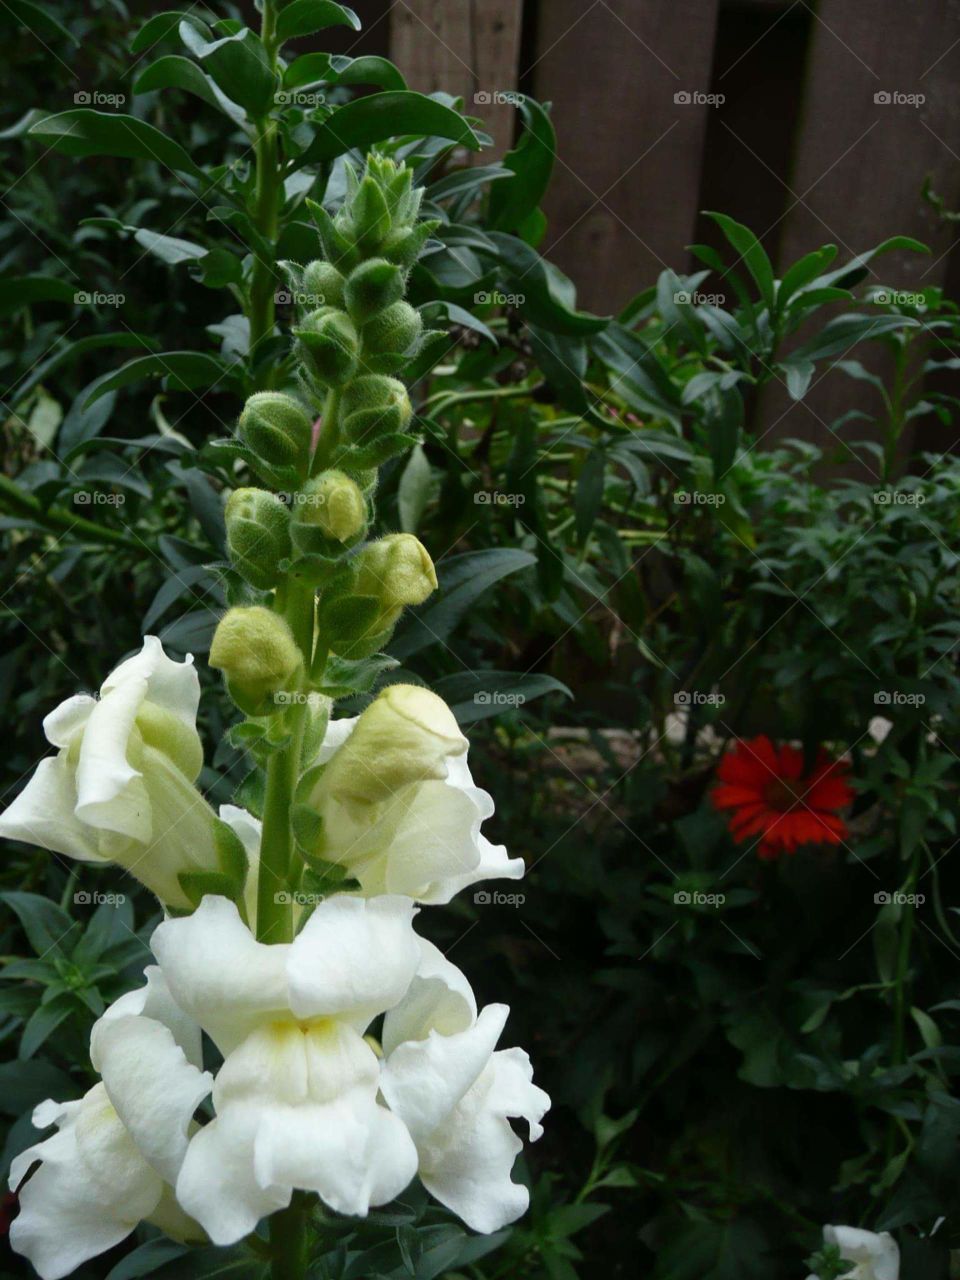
x,y
767,794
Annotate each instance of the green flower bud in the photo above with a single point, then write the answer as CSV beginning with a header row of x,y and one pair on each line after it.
x,y
405,736
256,651
323,284
334,504
329,345
258,535
397,571
277,429
403,245
374,406
372,287
393,331
370,219
337,246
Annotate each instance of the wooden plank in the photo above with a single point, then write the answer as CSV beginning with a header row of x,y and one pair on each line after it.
x,y
626,189
465,47
861,163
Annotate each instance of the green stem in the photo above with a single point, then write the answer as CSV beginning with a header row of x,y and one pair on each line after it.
x,y
900,1000
329,432
56,519
269,185
288,1242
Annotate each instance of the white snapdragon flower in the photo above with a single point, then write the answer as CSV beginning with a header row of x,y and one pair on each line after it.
x,y
296,1099
118,1150
875,1257
121,786
398,804
456,1095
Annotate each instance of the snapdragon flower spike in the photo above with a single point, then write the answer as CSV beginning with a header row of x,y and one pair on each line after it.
x,y
121,787
118,1150
457,1096
875,1256
297,1097
398,805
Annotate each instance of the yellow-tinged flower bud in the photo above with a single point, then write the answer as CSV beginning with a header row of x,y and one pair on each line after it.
x,y
334,504
258,535
404,736
255,649
397,571
375,406
277,428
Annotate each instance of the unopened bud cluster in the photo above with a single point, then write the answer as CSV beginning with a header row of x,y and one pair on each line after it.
x,y
318,447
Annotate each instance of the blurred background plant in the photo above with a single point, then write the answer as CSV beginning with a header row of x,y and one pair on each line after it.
x,y
740,1050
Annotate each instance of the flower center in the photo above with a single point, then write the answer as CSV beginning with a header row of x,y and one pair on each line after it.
x,y
782,796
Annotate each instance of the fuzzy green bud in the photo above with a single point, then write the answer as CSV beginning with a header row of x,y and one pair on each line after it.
x,y
373,406
404,244
396,571
369,213
258,535
405,736
372,287
323,284
277,429
334,504
255,649
393,331
329,345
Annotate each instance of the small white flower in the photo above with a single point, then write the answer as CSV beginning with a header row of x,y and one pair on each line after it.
x,y
399,806
457,1096
875,1257
296,1099
118,1150
121,786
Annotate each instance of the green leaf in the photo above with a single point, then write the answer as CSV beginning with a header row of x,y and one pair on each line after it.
x,y
413,491
161,27
589,495
82,132
385,115
145,1260
45,924
240,67
181,371
22,1087
545,298
168,249
304,17
337,69
71,351
43,1022
511,203
477,695
752,252
21,291
176,72
803,272
844,332
37,20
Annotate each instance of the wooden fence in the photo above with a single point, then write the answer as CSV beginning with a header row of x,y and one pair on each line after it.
x,y
811,122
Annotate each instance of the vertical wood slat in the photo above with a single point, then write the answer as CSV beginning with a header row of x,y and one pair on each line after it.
x,y
626,189
467,47
860,166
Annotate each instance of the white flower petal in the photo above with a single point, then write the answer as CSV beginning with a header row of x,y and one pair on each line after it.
x,y
338,731
439,998
354,957
424,1080
111,793
63,722
43,813
219,974
152,1000
466,1163
877,1254
89,1193
174,686
153,1088
249,829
